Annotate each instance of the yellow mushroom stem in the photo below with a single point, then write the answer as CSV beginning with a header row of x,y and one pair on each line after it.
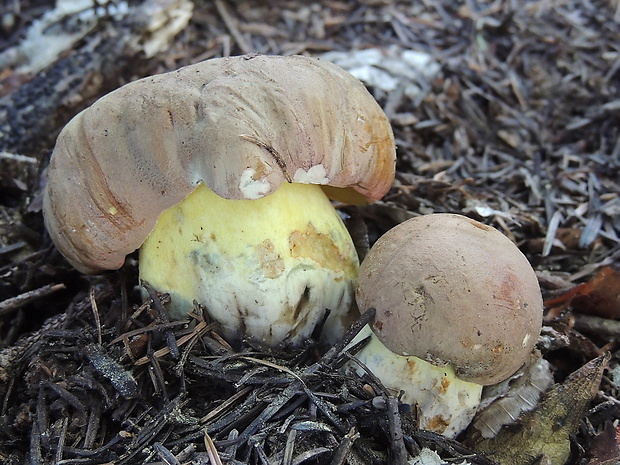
x,y
446,403
266,269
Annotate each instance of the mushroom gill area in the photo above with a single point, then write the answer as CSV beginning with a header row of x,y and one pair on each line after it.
x,y
267,268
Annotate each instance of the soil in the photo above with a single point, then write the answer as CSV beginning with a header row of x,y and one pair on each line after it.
x,y
518,127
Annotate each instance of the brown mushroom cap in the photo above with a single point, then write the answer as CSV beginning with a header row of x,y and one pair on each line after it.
x,y
448,289
242,125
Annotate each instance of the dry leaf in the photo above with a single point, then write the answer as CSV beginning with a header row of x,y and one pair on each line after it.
x,y
604,448
545,432
502,403
600,296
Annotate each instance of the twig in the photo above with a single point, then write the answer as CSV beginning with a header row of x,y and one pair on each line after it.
x,y
147,329
62,436
310,454
163,316
397,444
281,399
11,247
342,451
231,25
17,157
198,330
93,305
377,384
165,455
335,351
603,327
325,410
92,428
289,446
9,305
224,405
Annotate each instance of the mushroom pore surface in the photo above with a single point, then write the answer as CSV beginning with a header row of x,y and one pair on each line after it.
x,y
448,289
240,125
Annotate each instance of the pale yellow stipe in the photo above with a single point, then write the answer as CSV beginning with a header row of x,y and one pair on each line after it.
x,y
265,268
446,403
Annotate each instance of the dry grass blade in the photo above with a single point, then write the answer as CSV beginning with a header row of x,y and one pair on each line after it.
x,y
214,457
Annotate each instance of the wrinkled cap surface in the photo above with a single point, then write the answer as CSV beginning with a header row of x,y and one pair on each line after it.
x,y
242,125
448,289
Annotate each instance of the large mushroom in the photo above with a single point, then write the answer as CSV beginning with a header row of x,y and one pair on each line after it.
x,y
220,174
458,306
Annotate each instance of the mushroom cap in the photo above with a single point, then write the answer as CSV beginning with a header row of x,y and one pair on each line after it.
x,y
242,125
448,289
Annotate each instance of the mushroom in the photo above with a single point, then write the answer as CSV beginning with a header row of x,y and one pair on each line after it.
x,y
220,174
458,306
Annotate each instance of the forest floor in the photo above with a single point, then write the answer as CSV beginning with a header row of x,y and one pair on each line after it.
x,y
513,119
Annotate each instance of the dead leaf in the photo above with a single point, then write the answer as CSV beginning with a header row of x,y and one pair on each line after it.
x,y
544,433
505,401
600,296
565,239
604,448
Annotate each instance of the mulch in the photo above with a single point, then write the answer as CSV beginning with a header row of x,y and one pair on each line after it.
x,y
519,129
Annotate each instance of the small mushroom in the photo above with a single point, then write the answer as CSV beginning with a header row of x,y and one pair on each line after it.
x,y
220,174
458,306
